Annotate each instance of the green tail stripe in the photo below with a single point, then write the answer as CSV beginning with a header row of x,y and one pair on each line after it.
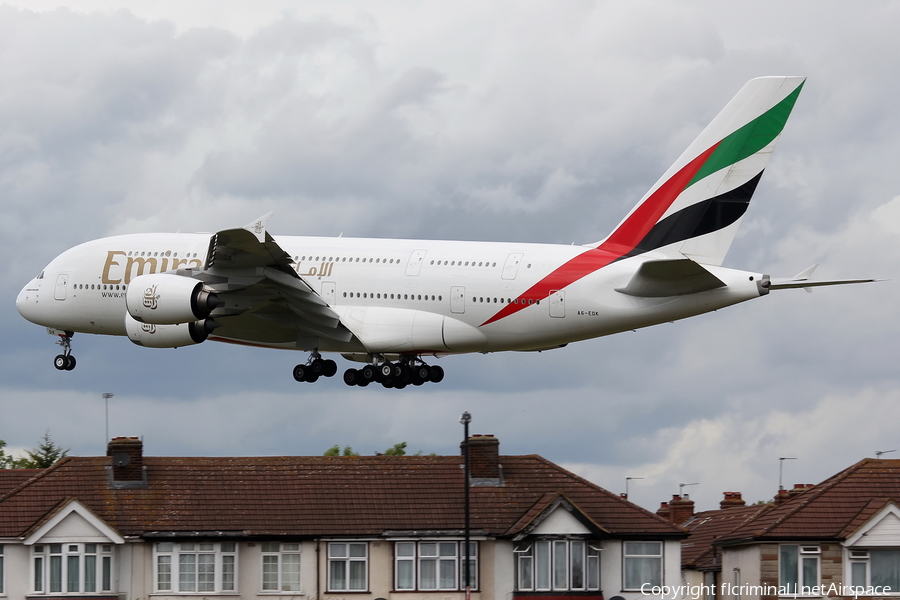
x,y
749,139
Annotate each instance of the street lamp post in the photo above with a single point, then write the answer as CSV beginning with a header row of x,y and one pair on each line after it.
x,y
106,397
465,419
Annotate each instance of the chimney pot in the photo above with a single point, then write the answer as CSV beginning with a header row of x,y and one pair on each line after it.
x,y
731,500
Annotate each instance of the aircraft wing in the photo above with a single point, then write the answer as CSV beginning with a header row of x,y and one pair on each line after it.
x,y
264,299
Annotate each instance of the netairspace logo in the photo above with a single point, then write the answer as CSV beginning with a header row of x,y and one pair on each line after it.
x,y
696,592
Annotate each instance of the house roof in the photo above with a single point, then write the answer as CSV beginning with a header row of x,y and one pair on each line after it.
x,y
314,496
12,478
832,509
698,552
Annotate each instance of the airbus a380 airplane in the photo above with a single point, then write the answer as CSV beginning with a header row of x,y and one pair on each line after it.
x,y
389,303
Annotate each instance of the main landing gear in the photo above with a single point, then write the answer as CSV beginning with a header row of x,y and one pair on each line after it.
x,y
394,375
65,361
316,367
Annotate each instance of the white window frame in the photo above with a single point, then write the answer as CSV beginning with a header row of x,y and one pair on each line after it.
x,y
348,560
280,551
2,578
557,552
224,567
629,556
420,556
72,559
863,557
805,555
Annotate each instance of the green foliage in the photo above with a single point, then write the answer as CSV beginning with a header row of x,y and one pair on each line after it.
x,y
45,455
336,451
7,461
396,450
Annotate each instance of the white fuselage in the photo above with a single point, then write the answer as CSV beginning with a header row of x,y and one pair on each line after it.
x,y
396,296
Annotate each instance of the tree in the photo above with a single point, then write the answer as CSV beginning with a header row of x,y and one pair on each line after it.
x,y
396,450
7,461
336,451
45,455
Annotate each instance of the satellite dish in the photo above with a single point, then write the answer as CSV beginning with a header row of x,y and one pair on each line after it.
x,y
121,459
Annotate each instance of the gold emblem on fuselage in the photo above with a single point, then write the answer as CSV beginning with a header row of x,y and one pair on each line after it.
x,y
151,298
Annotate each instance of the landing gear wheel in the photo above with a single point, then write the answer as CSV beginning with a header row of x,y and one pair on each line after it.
x,y
422,373
300,372
329,368
60,362
317,366
352,377
437,374
385,372
368,373
70,363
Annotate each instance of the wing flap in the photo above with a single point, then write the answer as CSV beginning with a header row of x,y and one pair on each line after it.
x,y
661,278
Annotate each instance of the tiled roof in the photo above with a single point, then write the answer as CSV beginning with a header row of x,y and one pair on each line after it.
x,y
12,478
698,552
830,509
315,496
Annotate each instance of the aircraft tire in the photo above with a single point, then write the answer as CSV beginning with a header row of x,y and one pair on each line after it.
x,y
70,363
60,362
301,372
368,373
329,368
352,377
317,366
437,374
422,373
385,372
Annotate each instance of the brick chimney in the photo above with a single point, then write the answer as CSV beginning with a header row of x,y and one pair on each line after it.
x,y
484,457
663,510
784,495
127,458
681,509
732,500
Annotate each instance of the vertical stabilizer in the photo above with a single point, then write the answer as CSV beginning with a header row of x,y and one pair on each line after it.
x,y
695,208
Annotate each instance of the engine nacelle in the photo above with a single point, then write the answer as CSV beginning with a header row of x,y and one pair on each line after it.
x,y
152,335
166,299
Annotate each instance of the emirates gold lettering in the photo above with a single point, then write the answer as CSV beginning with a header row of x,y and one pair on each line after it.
x,y
323,270
114,272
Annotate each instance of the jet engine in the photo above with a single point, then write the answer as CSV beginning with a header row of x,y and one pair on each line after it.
x,y
166,299
151,335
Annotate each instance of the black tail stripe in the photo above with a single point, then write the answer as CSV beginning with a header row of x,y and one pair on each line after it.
x,y
698,219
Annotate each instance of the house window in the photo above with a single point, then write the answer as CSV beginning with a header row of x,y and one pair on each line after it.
x,y
558,565
281,567
643,564
348,566
876,568
71,568
798,568
434,565
195,567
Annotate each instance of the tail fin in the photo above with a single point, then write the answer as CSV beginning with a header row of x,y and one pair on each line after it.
x,y
695,208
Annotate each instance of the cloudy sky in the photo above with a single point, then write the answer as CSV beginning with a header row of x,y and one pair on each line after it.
x,y
505,121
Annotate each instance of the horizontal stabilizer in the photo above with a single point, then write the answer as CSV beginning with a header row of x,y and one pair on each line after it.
x,y
801,280
660,278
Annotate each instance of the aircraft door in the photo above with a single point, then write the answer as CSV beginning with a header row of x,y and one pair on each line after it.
x,y
62,282
511,267
328,292
458,299
415,262
558,303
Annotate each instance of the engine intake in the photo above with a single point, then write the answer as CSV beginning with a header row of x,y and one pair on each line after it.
x,y
166,299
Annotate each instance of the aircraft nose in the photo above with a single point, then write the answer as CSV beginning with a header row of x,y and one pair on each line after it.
x,y
27,301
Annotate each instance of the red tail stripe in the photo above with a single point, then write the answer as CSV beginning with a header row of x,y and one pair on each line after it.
x,y
622,241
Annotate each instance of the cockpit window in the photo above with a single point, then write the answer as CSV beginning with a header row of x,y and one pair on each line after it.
x,y
41,276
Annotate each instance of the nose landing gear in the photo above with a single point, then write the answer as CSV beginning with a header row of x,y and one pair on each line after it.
x,y
65,361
